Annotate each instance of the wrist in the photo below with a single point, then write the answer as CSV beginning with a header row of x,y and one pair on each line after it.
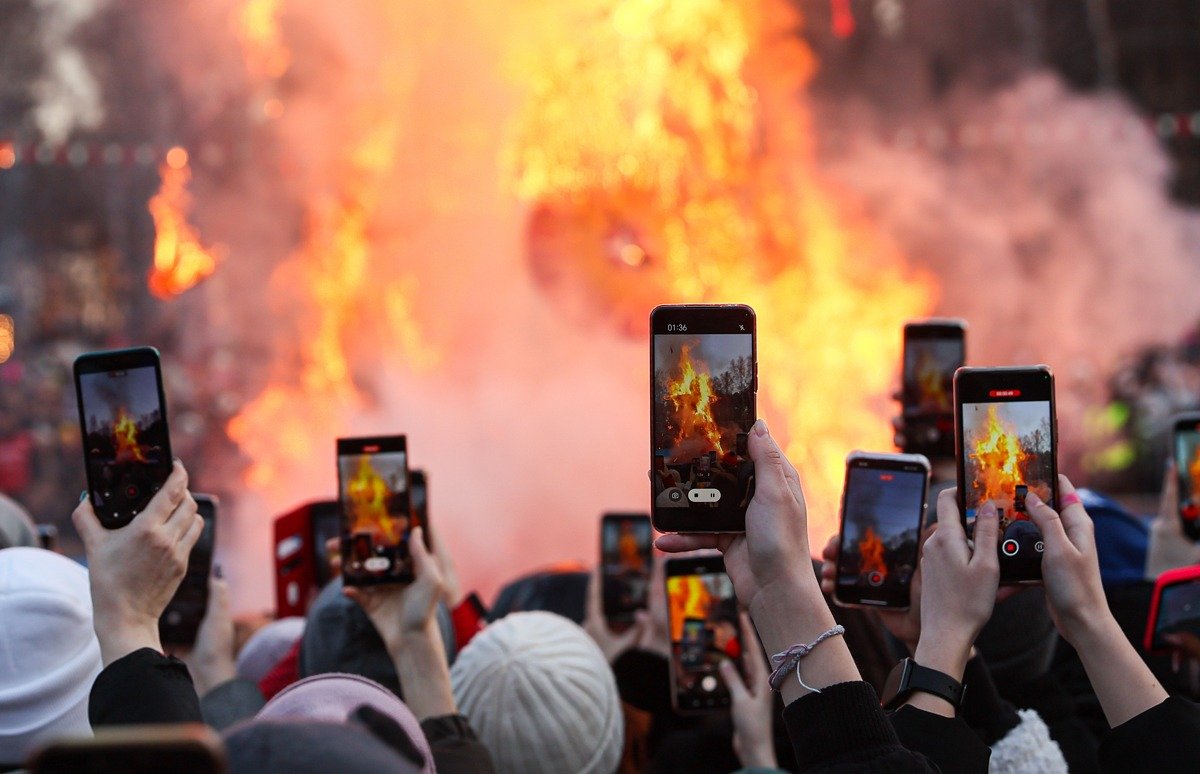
x,y
943,654
119,640
790,612
1089,632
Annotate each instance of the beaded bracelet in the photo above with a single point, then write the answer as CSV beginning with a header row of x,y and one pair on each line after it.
x,y
790,659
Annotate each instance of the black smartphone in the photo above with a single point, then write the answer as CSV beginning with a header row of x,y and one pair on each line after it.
x,y
420,503
933,351
1006,443
373,488
883,507
703,382
625,555
1174,611
48,537
184,748
181,618
705,630
325,523
1185,440
123,420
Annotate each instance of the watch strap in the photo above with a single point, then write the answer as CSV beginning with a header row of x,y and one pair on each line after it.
x,y
914,677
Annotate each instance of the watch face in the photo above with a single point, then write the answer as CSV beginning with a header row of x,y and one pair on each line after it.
x,y
895,689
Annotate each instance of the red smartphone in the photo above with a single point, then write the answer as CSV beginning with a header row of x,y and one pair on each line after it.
x,y
933,351
301,564
1174,609
703,383
883,507
1185,441
374,490
705,631
625,555
123,421
1006,442
181,619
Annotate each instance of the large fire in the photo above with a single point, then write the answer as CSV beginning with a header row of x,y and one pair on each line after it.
x,y
125,437
180,261
368,494
998,458
687,597
873,554
693,396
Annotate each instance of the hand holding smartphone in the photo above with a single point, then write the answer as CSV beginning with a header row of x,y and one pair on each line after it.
x,y
879,544
1006,440
123,421
625,557
705,631
374,491
704,379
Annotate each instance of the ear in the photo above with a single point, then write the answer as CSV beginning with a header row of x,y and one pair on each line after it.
x,y
389,732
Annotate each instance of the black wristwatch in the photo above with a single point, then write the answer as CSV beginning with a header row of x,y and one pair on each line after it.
x,y
909,676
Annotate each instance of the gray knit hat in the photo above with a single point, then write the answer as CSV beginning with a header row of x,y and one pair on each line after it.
x,y
541,696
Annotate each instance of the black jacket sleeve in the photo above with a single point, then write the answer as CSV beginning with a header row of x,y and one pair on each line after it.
x,y
843,728
949,744
143,687
983,709
1163,739
455,747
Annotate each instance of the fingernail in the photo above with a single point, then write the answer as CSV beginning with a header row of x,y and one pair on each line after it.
x,y
83,495
760,428
725,666
1033,498
988,510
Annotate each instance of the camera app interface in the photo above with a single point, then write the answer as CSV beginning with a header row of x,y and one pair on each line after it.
x,y
374,495
1178,621
1008,453
626,559
704,632
881,531
1187,465
128,453
703,410
929,366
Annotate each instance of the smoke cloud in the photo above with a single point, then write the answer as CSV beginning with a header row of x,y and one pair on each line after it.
x,y
67,95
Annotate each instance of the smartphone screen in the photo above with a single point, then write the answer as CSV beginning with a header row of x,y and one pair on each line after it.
x,y
883,505
625,555
704,379
933,351
123,420
376,511
703,618
183,614
1187,468
1178,614
1007,448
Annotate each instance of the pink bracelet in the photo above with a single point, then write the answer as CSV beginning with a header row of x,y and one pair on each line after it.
x,y
790,659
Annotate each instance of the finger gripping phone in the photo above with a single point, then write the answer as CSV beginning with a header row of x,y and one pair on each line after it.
x,y
703,384
933,351
1006,446
705,630
1174,610
123,422
373,487
625,556
883,506
1185,440
181,619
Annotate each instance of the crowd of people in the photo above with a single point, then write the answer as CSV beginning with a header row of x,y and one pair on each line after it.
x,y
418,677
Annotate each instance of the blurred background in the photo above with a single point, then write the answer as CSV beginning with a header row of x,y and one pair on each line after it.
x,y
452,219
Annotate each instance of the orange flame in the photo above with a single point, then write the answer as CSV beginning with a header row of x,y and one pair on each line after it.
x,y
125,434
688,598
931,385
180,261
256,25
693,396
870,547
998,456
368,494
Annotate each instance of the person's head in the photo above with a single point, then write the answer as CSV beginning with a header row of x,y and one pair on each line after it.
x,y
541,696
267,646
16,527
49,655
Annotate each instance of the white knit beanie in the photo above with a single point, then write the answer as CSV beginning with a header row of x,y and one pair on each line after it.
x,y
49,656
541,696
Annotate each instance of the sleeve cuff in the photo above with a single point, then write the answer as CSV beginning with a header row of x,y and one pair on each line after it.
x,y
143,687
841,719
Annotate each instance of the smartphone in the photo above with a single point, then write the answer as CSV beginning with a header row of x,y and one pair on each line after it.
x,y
933,351
420,503
185,748
123,421
883,507
48,537
1174,609
373,489
625,555
703,382
324,525
705,630
183,614
1006,441
1186,441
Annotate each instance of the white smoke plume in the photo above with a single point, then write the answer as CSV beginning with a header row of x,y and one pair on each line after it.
x,y
67,95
